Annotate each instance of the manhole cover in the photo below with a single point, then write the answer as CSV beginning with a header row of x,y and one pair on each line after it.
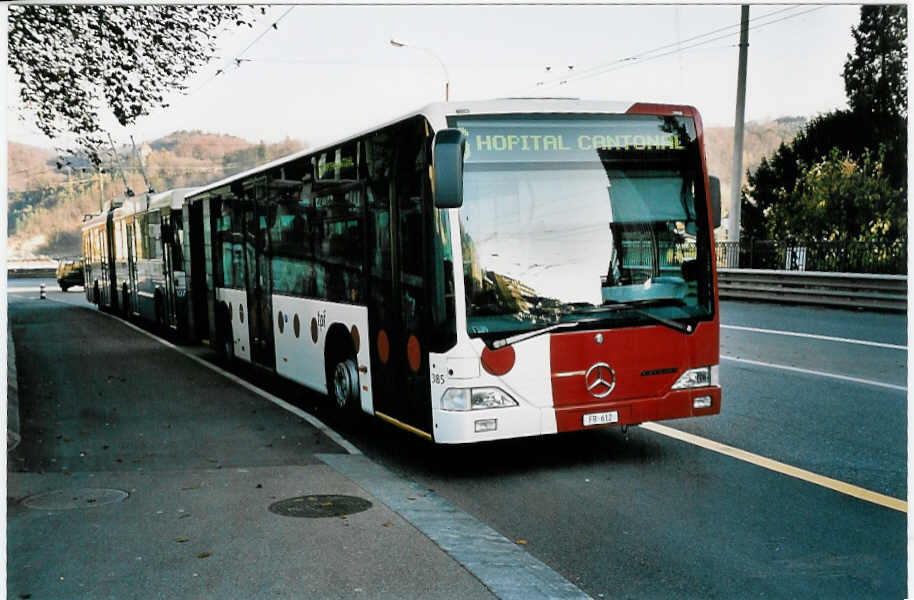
x,y
323,505
70,499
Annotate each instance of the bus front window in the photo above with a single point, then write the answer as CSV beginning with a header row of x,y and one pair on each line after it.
x,y
572,218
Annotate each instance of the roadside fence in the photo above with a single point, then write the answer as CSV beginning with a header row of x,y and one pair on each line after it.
x,y
829,257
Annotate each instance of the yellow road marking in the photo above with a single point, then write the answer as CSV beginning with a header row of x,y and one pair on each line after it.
x,y
403,425
785,469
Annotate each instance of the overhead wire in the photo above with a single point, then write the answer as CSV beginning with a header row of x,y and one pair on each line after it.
x,y
650,58
237,57
644,56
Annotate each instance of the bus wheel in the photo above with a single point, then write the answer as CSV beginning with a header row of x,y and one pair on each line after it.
x,y
96,295
344,387
125,297
160,313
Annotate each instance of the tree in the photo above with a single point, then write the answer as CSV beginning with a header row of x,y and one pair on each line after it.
x,y
841,198
777,203
70,60
875,77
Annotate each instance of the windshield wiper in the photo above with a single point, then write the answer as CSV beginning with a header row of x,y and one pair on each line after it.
x,y
610,306
513,339
634,304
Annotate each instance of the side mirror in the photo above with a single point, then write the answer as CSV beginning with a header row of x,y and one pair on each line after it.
x,y
715,200
447,160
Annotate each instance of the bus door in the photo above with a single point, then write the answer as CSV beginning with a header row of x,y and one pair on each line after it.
x,y
197,289
397,235
168,270
258,281
109,271
131,267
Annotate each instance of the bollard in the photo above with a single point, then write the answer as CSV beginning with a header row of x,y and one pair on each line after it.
x,y
44,295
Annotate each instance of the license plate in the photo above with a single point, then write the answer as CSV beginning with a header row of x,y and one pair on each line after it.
x,y
603,418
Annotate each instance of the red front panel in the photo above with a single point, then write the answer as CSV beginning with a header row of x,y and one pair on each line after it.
x,y
644,362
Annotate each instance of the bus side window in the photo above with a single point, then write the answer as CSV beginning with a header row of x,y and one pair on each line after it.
x,y
177,254
375,167
154,236
139,233
223,222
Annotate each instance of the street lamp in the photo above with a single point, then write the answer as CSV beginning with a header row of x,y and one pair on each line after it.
x,y
447,78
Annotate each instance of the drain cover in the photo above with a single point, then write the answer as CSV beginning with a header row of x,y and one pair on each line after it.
x,y
317,506
70,499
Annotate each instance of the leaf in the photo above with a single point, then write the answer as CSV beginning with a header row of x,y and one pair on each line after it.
x,y
181,540
204,555
521,542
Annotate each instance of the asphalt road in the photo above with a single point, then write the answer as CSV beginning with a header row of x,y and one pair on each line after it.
x,y
652,517
644,515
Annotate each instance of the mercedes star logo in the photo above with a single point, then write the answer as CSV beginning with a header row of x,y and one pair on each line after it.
x,y
600,380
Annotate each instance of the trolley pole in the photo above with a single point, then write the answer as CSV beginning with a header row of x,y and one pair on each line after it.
x,y
733,224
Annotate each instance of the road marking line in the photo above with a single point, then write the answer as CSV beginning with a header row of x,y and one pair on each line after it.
x,y
779,467
757,363
314,421
816,337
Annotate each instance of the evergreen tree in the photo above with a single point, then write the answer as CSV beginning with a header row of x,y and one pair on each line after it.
x,y
875,76
847,167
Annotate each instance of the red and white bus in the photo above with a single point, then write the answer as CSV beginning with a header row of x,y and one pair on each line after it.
x,y
475,270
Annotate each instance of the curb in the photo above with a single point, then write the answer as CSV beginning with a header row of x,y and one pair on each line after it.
x,y
12,395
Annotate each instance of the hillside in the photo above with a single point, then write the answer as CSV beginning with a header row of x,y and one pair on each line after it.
x,y
47,204
30,166
760,139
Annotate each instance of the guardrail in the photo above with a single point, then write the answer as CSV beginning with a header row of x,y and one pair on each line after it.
x,y
31,268
31,273
882,292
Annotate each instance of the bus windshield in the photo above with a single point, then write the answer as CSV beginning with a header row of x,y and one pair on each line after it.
x,y
598,219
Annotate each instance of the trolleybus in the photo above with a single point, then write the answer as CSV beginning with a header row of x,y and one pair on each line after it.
x,y
474,270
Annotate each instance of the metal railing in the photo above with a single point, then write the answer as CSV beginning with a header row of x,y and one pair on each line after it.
x,y
830,256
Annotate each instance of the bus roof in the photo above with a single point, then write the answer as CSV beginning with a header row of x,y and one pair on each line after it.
x,y
437,113
156,200
131,205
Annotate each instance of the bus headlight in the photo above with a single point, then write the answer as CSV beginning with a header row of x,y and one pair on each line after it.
x,y
476,399
700,377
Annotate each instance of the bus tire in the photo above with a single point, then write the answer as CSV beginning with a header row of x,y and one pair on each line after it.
x,y
159,312
96,295
64,287
344,384
125,301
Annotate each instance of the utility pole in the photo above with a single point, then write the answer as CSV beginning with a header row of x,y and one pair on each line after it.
x,y
101,191
733,224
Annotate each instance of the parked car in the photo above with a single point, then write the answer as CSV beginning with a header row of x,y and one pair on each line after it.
x,y
69,273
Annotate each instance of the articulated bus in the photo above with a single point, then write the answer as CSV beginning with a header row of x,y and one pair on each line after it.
x,y
134,258
472,271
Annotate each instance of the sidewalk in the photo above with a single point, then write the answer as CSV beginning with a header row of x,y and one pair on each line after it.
x,y
202,460
209,534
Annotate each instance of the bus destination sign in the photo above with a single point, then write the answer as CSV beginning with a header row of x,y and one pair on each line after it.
x,y
530,141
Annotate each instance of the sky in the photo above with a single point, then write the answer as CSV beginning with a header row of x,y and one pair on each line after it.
x,y
326,72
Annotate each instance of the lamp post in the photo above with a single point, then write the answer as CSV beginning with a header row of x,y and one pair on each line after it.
x,y
447,78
